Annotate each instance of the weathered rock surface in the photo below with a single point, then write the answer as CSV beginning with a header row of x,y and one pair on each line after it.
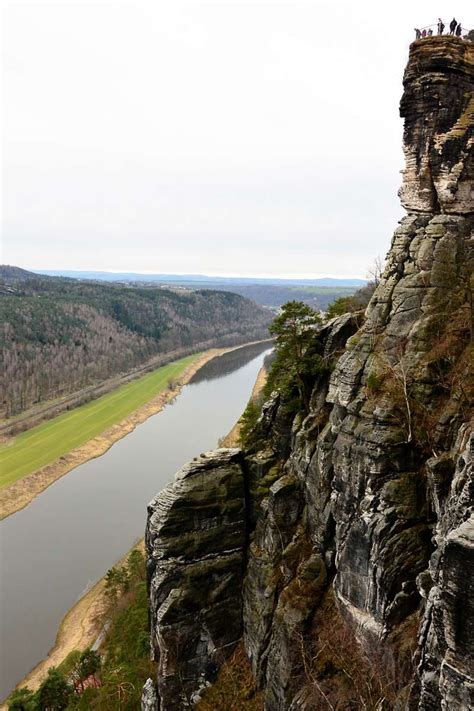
x,y
446,646
369,492
150,700
195,540
438,107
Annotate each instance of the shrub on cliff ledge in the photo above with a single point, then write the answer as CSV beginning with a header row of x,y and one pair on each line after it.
x,y
248,423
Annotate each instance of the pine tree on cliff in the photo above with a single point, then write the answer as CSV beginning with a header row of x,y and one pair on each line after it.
x,y
294,331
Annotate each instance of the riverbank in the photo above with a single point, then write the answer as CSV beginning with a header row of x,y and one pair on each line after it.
x,y
83,624
50,409
20,493
52,441
232,438
81,628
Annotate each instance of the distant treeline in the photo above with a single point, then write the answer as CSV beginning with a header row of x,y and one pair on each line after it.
x,y
317,293
318,297
60,335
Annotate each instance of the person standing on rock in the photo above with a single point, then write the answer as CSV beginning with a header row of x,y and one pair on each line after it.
x,y
423,34
458,30
417,34
452,26
430,32
440,26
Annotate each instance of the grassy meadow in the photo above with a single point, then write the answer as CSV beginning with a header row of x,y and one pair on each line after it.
x,y
50,440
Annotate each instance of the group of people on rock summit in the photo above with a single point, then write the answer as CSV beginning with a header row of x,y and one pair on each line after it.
x,y
454,29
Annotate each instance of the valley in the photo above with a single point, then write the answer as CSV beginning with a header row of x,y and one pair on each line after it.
x,y
95,513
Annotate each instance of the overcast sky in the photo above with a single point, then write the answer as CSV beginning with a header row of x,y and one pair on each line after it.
x,y
244,137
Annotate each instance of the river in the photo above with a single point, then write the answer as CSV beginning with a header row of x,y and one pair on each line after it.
x,y
54,550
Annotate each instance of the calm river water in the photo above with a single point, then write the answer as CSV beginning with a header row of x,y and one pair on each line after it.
x,y
69,536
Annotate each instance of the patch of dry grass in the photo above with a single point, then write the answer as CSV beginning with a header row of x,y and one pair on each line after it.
x,y
235,688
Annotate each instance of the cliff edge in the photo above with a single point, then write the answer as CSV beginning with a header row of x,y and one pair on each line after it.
x,y
341,548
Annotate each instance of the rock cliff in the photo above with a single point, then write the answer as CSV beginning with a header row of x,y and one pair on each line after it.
x,y
347,537
195,539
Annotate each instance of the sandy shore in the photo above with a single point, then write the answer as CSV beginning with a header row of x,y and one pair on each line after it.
x,y
80,628
22,492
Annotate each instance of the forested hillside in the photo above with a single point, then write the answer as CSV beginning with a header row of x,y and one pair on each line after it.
x,y
60,335
317,293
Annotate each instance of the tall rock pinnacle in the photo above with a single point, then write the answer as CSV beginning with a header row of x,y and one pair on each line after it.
x,y
438,108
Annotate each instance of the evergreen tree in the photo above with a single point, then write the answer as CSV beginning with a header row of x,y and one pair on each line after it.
x,y
22,700
296,359
55,692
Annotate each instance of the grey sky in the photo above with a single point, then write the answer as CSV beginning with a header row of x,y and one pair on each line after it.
x,y
206,137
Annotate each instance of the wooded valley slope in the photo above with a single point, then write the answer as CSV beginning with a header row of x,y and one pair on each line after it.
x,y
60,335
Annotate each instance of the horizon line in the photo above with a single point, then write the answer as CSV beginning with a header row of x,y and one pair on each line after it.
x,y
222,275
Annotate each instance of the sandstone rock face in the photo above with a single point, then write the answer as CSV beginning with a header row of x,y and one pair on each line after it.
x,y
150,700
371,494
446,644
195,540
438,107
368,493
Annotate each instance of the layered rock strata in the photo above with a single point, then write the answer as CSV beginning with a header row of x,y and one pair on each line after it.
x,y
438,108
195,540
367,494
445,676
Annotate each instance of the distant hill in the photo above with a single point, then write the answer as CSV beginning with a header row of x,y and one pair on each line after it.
x,y
60,334
201,279
317,293
14,274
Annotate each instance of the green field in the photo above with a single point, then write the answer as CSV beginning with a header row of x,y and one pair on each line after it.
x,y
53,439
